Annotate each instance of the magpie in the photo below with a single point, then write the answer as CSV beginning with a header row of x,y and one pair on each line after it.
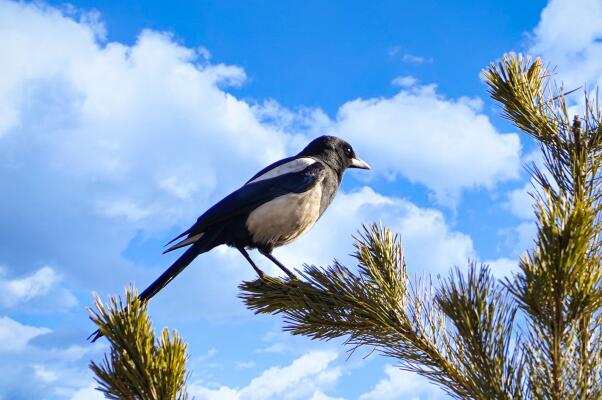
x,y
273,208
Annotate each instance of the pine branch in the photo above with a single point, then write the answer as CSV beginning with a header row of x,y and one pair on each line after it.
x,y
424,329
521,86
138,365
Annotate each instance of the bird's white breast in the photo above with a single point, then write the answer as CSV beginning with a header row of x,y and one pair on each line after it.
x,y
295,165
285,218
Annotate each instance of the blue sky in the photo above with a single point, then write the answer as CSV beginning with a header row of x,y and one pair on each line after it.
x,y
121,122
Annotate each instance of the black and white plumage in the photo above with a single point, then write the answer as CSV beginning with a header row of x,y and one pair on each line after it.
x,y
273,208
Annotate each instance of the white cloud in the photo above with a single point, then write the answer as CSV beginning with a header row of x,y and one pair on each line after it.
x,y
300,377
43,367
14,336
208,355
408,57
16,291
568,36
502,267
398,385
318,395
404,81
430,244
519,238
244,364
414,59
445,144
222,393
88,393
124,208
306,377
526,234
45,374
520,202
274,348
38,291
177,187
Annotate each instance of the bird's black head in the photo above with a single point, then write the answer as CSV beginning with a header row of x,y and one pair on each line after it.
x,y
335,152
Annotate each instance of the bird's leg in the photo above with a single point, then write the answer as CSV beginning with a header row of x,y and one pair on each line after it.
x,y
250,260
278,263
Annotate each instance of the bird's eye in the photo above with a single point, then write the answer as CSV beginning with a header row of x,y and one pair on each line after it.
x,y
348,151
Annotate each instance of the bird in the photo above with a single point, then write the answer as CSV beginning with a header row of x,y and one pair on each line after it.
x,y
273,208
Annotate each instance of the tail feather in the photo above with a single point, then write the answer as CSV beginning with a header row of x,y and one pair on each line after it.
x,y
170,273
181,235
185,242
199,247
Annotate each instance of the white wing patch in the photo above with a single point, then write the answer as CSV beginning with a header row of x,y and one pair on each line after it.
x,y
292,166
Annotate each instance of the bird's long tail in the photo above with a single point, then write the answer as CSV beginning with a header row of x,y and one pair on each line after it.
x,y
170,273
202,246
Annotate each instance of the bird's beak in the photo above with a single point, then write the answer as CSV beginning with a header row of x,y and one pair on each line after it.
x,y
357,163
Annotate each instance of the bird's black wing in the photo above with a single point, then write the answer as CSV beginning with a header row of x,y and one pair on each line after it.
x,y
253,195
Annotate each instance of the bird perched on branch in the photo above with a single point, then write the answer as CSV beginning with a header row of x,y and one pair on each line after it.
x,y
273,208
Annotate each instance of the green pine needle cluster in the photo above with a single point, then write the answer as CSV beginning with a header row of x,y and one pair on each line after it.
x,y
139,366
462,333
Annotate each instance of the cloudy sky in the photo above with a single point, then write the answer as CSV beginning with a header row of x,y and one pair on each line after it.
x,y
120,123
